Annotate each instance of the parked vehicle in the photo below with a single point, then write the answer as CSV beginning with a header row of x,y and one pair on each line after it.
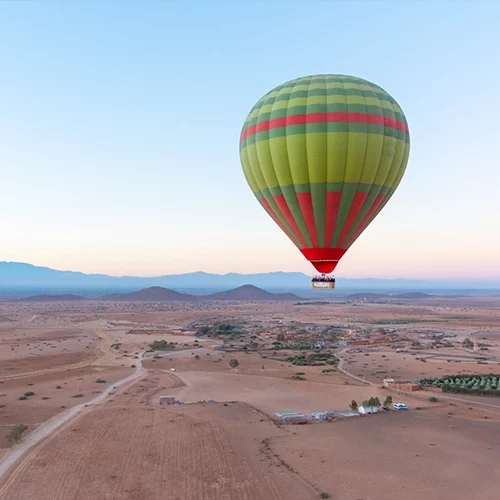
x,y
400,406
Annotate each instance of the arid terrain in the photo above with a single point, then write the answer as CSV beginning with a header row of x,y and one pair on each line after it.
x,y
86,377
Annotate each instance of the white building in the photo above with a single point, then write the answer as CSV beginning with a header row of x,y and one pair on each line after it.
x,y
367,410
320,415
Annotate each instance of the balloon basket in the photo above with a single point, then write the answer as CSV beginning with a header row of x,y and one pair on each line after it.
x,y
325,284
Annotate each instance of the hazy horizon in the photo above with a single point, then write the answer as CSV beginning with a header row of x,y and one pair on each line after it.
x,y
119,138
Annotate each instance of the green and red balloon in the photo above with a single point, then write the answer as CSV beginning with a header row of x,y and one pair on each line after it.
x,y
323,154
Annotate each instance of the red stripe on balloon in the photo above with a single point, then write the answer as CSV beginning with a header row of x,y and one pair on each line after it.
x,y
324,117
306,207
287,215
356,205
362,225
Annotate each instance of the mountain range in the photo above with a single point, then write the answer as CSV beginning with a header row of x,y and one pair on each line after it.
x,y
159,294
22,276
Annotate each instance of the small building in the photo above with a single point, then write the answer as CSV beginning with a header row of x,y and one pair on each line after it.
x,y
401,385
320,415
290,418
168,400
367,410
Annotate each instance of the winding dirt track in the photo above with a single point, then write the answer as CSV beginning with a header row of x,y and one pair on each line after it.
x,y
54,423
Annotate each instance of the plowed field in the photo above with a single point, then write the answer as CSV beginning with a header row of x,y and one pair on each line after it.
x,y
192,452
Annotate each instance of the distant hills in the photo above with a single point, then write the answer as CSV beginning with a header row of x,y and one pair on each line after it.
x,y
159,294
62,297
43,280
250,292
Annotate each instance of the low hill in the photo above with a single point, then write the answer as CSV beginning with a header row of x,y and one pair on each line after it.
x,y
66,297
151,294
250,292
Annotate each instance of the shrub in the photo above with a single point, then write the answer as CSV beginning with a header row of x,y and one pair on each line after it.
x,y
100,381
323,494
433,399
22,398
233,363
15,435
58,387
30,393
77,396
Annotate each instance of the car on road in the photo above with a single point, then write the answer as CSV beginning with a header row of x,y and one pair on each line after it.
x,y
399,406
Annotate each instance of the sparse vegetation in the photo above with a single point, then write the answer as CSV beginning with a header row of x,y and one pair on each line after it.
x,y
15,435
161,345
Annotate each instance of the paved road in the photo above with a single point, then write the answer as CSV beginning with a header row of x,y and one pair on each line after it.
x,y
54,423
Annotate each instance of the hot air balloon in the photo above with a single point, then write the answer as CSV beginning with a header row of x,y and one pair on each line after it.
x,y
323,154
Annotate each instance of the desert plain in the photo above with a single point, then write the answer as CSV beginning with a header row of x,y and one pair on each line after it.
x,y
86,377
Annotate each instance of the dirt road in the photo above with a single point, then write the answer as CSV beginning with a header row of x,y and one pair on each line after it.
x,y
54,423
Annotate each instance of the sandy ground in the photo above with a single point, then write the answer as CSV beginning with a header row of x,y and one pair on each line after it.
x,y
48,399
184,453
410,455
386,363
214,451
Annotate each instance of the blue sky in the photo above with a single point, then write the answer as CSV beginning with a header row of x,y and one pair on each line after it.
x,y
119,127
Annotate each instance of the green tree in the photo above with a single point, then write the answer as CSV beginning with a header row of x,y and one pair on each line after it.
x,y
280,337
388,400
353,406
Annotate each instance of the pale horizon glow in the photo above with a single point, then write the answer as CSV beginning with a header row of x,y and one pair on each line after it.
x,y
119,127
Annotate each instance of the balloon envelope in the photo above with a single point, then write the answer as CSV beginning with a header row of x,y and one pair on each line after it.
x,y
323,154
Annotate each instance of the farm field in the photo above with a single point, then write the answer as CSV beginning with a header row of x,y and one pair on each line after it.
x,y
211,452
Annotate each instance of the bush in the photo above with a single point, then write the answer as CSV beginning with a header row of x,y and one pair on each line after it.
x,y
77,396
433,399
323,494
28,394
100,381
22,398
15,435
233,363
58,387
